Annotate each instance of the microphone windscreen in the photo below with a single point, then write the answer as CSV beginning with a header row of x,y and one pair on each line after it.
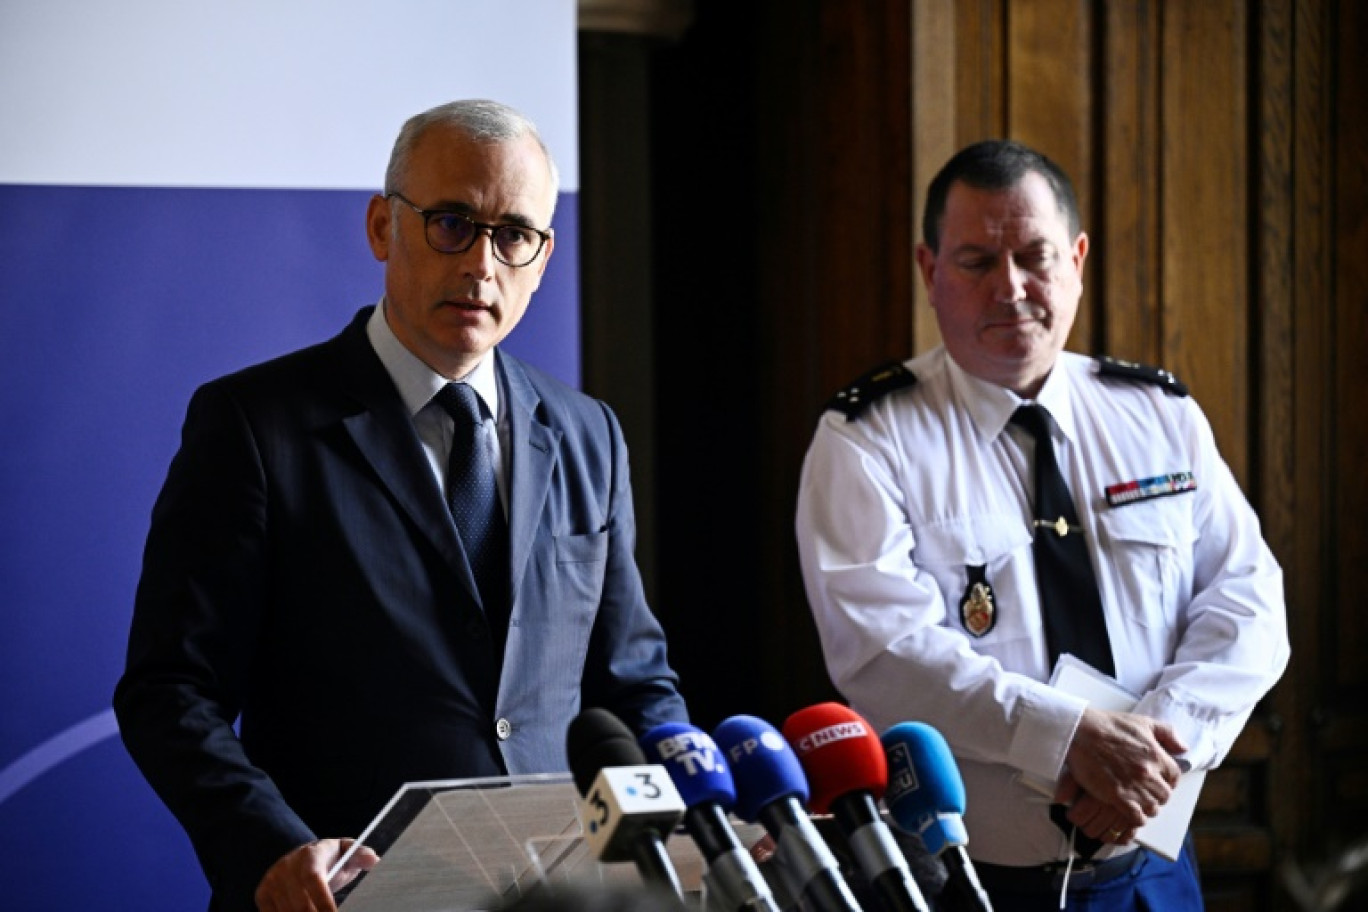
x,y
694,761
763,765
923,777
596,740
839,751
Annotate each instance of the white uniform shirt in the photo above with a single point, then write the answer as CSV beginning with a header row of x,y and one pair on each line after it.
x,y
898,502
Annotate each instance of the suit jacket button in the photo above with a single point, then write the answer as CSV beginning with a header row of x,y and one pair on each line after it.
x,y
504,729
475,629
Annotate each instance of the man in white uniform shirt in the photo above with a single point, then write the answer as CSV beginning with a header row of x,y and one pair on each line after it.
x,y
915,526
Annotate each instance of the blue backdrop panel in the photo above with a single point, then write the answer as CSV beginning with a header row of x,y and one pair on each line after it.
x,y
115,303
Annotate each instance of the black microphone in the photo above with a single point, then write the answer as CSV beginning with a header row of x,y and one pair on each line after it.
x,y
925,798
771,788
705,783
847,774
629,807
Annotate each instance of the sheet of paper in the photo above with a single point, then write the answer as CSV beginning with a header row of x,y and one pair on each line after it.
x,y
1163,833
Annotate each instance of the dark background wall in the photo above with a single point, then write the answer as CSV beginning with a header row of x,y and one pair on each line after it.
x,y
669,144
751,186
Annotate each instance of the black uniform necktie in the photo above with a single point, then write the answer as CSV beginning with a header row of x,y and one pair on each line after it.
x,y
473,496
1069,600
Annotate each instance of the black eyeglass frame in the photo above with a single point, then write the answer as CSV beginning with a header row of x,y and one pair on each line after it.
x,y
481,228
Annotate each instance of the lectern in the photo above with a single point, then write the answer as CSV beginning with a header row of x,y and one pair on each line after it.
x,y
478,844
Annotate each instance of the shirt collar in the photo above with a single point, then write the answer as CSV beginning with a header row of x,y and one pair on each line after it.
x,y
1054,396
991,406
417,383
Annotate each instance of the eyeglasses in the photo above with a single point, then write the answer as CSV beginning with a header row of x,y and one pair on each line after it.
x,y
449,231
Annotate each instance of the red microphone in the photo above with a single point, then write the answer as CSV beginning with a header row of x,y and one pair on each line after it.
x,y
847,773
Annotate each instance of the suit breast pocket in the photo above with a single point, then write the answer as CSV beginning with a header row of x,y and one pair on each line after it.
x,y
580,564
582,549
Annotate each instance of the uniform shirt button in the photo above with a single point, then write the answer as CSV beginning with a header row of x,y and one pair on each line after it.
x,y
504,729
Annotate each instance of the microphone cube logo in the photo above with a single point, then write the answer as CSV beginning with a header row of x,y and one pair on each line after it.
x,y
902,775
634,790
624,801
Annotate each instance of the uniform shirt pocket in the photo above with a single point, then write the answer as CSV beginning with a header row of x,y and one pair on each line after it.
x,y
1150,546
998,543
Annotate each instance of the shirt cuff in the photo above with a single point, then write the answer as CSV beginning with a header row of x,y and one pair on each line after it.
x,y
1045,728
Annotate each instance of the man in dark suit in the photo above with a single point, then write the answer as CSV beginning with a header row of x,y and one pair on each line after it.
x,y
304,577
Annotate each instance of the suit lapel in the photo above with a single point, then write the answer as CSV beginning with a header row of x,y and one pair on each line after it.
x,y
531,462
383,431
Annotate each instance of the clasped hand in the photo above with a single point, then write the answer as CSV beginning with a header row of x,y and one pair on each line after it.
x,y
1119,771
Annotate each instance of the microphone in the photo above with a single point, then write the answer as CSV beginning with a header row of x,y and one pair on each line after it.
x,y
771,788
629,806
705,784
925,798
847,774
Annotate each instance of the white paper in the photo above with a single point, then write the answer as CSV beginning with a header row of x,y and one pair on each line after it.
x,y
1164,832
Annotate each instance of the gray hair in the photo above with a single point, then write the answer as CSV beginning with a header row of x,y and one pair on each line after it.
x,y
479,119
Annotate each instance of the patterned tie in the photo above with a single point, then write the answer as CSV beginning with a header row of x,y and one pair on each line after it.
x,y
473,496
1069,600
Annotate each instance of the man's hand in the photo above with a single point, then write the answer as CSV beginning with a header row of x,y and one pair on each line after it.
x,y
1119,772
298,882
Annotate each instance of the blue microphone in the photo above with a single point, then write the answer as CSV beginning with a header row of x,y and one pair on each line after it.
x,y
925,798
771,788
704,782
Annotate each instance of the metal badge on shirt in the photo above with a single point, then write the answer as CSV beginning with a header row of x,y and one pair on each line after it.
x,y
978,611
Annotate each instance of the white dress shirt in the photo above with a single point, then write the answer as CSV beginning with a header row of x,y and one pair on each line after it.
x,y
897,503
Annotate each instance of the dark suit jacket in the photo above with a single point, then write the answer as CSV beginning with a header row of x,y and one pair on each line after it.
x,y
302,572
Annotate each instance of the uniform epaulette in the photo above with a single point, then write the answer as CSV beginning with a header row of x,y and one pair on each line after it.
x,y
1129,370
879,382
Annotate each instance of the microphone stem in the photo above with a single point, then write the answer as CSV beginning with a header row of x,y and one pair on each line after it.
x,y
654,864
876,853
711,831
854,810
895,893
963,881
802,855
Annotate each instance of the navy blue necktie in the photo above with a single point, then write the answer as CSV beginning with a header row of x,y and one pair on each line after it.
x,y
473,497
1069,600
